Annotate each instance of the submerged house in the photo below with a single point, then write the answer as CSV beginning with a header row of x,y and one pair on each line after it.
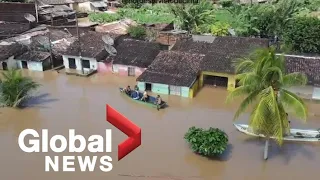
x,y
8,52
133,57
34,60
216,68
172,72
86,56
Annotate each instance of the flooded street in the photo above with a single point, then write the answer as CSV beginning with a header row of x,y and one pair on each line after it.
x,y
67,102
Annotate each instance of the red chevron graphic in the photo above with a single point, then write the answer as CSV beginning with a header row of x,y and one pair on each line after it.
x,y
127,127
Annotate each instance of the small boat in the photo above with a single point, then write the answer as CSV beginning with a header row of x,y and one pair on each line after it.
x,y
150,102
295,134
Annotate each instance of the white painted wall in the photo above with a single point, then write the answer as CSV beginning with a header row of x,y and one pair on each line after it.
x,y
93,63
83,7
11,63
32,65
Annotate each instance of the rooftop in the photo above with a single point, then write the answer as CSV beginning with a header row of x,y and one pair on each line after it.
x,y
92,46
135,53
307,65
221,51
55,11
12,29
33,56
56,2
173,68
13,49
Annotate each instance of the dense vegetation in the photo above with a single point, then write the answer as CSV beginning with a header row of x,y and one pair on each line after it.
x,y
159,13
211,142
15,89
289,23
264,83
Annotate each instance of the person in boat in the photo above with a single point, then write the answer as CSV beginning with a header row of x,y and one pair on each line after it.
x,y
145,96
135,95
158,100
127,90
136,88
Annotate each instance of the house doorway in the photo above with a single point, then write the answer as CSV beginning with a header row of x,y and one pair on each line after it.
x,y
4,66
72,63
215,81
24,64
148,86
86,64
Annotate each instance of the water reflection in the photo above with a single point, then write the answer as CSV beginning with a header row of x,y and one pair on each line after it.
x,y
208,168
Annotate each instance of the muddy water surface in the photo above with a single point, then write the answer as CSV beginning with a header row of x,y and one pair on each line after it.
x,y
67,102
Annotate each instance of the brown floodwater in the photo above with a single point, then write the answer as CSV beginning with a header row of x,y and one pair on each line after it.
x,y
67,102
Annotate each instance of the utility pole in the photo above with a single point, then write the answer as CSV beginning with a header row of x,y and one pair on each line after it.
x,y
79,43
50,46
36,6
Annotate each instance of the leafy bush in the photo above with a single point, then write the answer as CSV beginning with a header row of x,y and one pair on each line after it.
x,y
211,142
103,17
220,29
303,34
137,31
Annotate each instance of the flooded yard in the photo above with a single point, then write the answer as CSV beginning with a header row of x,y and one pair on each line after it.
x,y
67,102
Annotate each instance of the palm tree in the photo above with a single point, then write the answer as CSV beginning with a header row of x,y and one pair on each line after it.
x,y
264,83
15,89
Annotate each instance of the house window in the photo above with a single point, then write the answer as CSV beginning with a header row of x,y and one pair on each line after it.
x,y
175,90
131,71
86,64
24,64
72,63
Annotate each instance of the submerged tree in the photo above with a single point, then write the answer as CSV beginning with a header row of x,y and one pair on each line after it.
x,y
264,83
15,88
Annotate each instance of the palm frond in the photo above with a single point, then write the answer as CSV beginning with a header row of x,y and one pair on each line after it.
x,y
294,79
245,103
295,103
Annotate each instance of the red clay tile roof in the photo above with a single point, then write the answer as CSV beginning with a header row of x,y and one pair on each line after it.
x,y
173,68
135,53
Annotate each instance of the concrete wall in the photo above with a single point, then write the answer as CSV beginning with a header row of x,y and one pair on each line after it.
x,y
141,85
194,89
160,88
123,70
83,7
104,67
93,63
32,65
316,93
11,63
231,78
185,91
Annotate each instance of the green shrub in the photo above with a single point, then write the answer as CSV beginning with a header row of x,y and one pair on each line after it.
x,y
220,29
137,31
146,16
211,142
103,17
303,34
